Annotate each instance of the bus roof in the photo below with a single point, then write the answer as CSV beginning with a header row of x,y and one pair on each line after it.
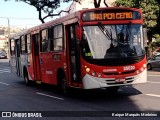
x,y
76,14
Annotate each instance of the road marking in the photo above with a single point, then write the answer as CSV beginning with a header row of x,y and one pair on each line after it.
x,y
4,83
5,67
153,95
49,96
5,71
153,75
152,82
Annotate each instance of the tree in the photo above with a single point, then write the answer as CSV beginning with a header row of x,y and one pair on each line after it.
x,y
158,19
97,3
48,6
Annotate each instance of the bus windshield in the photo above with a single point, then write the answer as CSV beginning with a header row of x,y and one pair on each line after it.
x,y
116,41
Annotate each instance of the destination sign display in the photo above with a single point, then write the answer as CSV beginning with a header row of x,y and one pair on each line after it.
x,y
110,15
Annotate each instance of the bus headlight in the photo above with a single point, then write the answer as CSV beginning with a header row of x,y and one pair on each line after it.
x,y
141,69
87,69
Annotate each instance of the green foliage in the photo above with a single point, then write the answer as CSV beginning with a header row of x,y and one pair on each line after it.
x,y
157,38
125,3
150,9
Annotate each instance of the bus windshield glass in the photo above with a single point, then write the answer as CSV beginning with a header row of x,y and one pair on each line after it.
x,y
112,41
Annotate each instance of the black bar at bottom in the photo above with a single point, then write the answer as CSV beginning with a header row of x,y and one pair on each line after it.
x,y
80,114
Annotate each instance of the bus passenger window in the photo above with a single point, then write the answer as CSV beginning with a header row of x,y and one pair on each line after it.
x,y
28,44
23,45
85,47
58,38
44,41
12,44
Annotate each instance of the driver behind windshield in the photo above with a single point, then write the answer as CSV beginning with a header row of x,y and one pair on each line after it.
x,y
122,49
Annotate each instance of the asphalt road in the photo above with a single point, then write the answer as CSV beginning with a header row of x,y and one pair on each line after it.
x,y
16,97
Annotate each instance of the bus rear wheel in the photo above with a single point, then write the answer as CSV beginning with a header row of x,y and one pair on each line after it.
x,y
26,79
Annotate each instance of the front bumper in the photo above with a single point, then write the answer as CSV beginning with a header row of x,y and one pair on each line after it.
x,y
91,82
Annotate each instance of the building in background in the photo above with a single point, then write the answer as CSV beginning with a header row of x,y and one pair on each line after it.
x,y
3,47
85,4
3,42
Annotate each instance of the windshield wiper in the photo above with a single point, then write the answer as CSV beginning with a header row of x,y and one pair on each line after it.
x,y
105,31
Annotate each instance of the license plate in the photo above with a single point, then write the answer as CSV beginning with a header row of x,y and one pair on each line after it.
x,y
120,80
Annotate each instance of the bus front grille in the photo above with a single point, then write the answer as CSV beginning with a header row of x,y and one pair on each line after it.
x,y
119,81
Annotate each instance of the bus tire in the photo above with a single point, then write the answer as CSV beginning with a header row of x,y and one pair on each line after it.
x,y
62,82
26,79
112,90
64,85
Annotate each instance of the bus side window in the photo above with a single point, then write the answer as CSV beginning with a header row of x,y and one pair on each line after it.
x,y
58,38
12,48
44,41
28,44
23,45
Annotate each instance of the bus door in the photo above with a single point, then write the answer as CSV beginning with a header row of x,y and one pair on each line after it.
x,y
17,56
46,61
35,56
74,54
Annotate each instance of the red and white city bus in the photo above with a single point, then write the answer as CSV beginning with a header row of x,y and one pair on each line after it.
x,y
88,49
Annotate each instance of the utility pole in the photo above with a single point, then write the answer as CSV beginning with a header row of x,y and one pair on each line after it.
x,y
8,21
8,37
8,27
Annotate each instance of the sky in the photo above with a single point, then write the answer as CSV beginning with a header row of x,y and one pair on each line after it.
x,y
19,14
